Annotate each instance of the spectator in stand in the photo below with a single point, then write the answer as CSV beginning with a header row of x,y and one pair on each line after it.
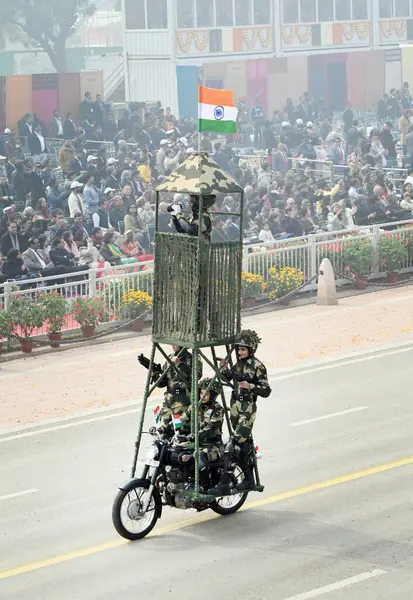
x,y
128,198
280,160
377,152
25,126
60,257
56,126
70,245
404,126
100,111
55,197
112,253
91,197
12,239
134,223
46,173
338,154
37,145
6,194
42,216
109,127
78,163
388,143
164,218
87,109
111,180
265,234
66,155
14,267
75,202
132,248
100,217
393,108
124,123
37,261
69,127
147,214
116,212
409,141
78,230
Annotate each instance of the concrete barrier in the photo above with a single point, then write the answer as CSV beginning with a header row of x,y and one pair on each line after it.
x,y
326,291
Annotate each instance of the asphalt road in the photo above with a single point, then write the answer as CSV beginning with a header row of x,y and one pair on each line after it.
x,y
335,519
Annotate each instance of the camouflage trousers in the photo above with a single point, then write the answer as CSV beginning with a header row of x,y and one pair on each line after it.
x,y
207,454
243,413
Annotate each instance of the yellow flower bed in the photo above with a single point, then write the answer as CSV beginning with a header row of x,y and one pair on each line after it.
x,y
135,303
283,281
252,284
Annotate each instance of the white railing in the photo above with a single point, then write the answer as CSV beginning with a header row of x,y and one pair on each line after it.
x,y
110,284
307,252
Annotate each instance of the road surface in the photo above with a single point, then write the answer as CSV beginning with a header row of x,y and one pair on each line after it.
x,y
334,521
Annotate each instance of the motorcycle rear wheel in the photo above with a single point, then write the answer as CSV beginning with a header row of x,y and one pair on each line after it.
x,y
127,516
229,505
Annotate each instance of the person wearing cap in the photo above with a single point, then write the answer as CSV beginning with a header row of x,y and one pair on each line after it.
x,y
75,202
160,157
111,180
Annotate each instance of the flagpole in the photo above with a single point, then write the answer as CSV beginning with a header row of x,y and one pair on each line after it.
x,y
199,133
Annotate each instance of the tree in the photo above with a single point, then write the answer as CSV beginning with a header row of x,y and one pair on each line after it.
x,y
45,24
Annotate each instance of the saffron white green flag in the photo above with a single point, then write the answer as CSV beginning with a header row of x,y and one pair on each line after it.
x,y
217,111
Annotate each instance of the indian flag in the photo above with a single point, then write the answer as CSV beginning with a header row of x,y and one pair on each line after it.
x,y
157,413
177,421
217,110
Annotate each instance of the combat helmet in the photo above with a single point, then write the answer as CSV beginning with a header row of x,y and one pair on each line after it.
x,y
207,201
249,339
214,389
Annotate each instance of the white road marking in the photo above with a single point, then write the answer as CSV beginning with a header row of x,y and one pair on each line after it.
x,y
330,416
335,364
18,494
337,586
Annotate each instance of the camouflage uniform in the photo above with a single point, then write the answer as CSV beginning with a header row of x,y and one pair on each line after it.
x,y
210,422
177,394
244,402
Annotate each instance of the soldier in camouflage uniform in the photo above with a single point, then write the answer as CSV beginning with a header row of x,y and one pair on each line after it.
x,y
249,377
191,226
210,422
177,382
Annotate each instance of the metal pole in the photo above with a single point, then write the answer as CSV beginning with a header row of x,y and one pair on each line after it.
x,y
142,419
194,403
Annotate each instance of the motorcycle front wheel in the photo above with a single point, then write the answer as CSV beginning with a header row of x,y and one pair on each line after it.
x,y
228,505
128,517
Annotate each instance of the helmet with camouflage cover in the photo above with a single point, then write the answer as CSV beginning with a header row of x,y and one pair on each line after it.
x,y
249,339
213,390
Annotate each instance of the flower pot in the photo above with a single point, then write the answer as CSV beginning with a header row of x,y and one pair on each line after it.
x,y
138,325
392,277
248,302
54,339
88,330
361,283
26,346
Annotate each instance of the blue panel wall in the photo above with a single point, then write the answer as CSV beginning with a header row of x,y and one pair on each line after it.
x,y
188,80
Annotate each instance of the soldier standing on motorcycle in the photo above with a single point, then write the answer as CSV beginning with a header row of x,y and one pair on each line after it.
x,y
249,377
176,381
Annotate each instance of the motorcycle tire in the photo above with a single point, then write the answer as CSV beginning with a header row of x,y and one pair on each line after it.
x,y
155,508
224,511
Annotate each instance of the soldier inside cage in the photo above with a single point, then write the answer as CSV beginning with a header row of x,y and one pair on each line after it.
x,y
190,226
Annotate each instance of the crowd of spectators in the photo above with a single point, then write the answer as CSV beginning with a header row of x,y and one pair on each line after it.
x,y
96,209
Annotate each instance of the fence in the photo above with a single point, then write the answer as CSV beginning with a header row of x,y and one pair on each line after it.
x,y
110,284
307,252
304,253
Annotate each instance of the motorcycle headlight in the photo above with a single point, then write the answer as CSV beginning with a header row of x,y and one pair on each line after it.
x,y
152,452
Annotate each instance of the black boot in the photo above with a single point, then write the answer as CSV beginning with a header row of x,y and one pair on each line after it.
x,y
223,486
248,482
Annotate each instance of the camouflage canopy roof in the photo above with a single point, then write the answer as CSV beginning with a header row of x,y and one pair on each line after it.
x,y
199,173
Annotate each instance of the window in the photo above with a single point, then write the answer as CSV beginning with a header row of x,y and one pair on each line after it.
x,y
401,8
308,11
360,10
224,14
385,9
204,13
146,14
185,16
325,10
156,14
135,14
262,12
343,10
290,11
242,12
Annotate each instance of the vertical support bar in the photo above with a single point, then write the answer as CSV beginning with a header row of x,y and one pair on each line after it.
x,y
223,399
312,257
375,238
92,283
194,410
156,211
142,419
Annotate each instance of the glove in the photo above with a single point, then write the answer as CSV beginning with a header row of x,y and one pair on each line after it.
x,y
170,209
145,362
152,430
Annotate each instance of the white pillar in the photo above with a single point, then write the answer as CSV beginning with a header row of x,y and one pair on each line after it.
x,y
326,291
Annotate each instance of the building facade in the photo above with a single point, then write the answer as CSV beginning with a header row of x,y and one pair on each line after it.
x,y
341,50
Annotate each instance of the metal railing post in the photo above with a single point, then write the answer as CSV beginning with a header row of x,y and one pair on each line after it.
x,y
375,239
245,266
312,259
92,283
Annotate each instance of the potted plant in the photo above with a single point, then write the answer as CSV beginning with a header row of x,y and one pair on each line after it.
x,y
26,316
55,308
134,305
88,312
251,287
281,282
393,253
358,257
6,327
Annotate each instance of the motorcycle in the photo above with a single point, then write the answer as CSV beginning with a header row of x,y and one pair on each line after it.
x,y
168,479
